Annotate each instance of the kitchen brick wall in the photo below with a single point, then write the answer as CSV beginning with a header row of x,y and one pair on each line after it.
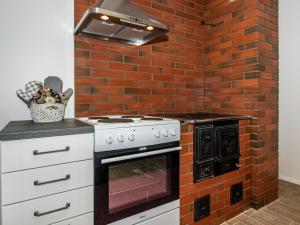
x,y
112,78
219,187
241,77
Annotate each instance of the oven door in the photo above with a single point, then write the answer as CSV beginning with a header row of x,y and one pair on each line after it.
x,y
130,183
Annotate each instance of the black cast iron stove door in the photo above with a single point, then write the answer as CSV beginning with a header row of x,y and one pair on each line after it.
x,y
228,142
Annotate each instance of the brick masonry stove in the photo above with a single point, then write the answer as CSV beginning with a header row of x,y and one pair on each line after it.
x,y
217,190
241,73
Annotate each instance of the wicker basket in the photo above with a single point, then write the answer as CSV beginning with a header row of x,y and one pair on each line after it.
x,y
49,112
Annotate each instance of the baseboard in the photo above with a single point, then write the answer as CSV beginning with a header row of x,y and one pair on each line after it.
x,y
291,180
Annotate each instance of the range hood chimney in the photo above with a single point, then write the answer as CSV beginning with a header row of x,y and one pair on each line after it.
x,y
121,21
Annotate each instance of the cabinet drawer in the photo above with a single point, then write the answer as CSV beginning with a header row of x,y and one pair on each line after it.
x,y
171,217
51,209
39,152
154,215
87,219
29,184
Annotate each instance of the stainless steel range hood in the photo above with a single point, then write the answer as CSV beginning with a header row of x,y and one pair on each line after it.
x,y
120,21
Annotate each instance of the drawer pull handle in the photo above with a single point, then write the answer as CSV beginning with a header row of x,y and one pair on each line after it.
x,y
36,152
37,183
38,214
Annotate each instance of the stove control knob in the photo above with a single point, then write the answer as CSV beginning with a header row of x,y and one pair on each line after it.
x,y
109,139
157,133
172,132
131,137
165,133
121,138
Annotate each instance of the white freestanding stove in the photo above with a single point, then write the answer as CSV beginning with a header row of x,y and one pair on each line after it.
x,y
136,170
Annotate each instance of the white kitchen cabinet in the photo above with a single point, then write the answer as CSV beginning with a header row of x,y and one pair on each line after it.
x,y
39,152
50,209
47,180
29,184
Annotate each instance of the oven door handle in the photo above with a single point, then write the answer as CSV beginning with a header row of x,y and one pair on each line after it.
x,y
139,155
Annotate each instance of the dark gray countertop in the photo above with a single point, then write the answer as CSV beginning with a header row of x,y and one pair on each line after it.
x,y
204,117
17,130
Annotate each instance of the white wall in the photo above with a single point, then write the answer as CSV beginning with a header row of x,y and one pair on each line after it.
x,y
289,103
36,41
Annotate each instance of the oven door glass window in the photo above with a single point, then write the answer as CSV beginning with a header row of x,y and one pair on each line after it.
x,y
138,182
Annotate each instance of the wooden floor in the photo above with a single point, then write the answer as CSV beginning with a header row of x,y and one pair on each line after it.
x,y
284,211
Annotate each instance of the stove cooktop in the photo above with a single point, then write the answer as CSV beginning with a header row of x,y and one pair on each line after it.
x,y
195,116
126,132
119,121
203,117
